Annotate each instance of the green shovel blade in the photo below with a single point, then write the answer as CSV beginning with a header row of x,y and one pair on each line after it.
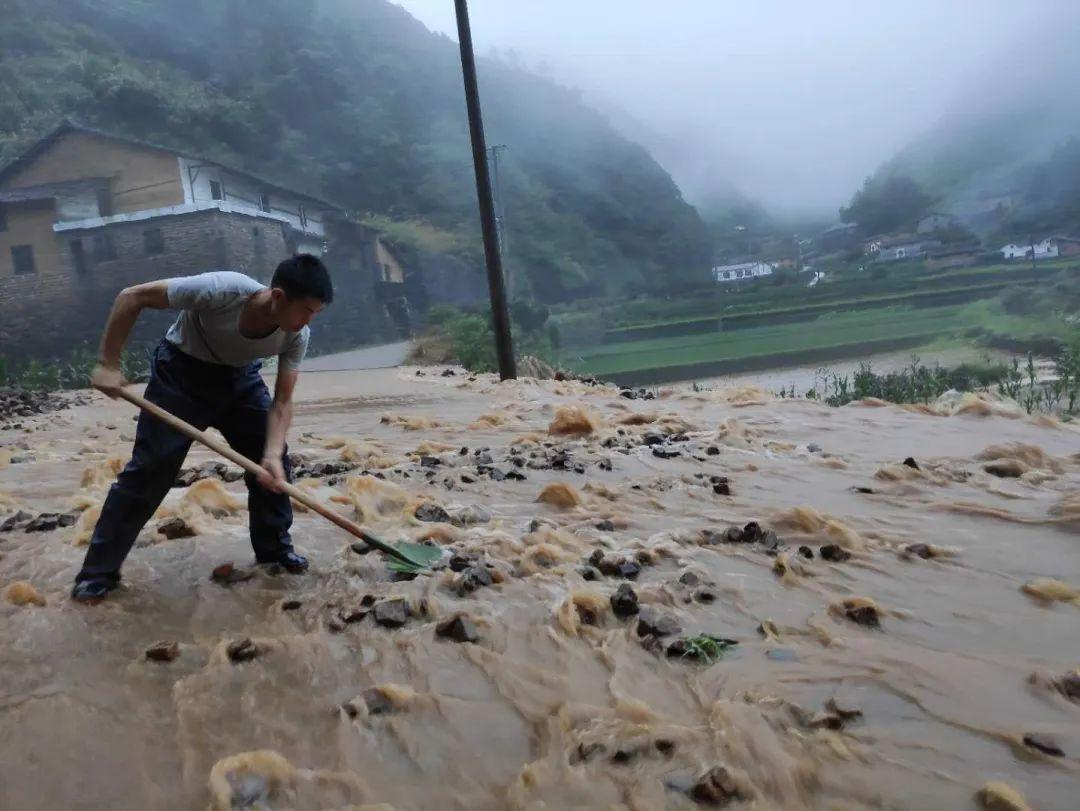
x,y
420,556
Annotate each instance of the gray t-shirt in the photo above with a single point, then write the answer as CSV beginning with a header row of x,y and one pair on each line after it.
x,y
208,327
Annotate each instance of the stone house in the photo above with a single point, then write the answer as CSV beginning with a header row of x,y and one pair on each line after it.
x,y
85,213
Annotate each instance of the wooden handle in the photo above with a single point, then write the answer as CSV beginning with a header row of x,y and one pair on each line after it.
x,y
295,493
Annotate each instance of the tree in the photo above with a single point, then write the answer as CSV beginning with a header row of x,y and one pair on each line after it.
x,y
886,204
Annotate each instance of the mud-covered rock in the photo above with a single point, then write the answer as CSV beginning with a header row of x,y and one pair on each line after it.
x,y
471,579
624,602
920,550
458,628
173,528
1046,744
242,650
13,522
46,522
164,651
470,516
392,613
806,552
834,553
605,526
654,623
717,788
432,513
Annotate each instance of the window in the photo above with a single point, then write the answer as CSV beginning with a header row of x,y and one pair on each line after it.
x,y
3,218
78,256
153,241
22,256
264,202
103,248
216,190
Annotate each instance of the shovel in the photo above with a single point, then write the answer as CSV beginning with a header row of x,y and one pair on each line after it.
x,y
410,559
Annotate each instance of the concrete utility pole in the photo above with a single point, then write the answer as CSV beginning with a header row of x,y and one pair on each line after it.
x,y
500,315
500,218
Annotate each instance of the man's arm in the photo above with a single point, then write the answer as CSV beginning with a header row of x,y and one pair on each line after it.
x,y
125,311
277,426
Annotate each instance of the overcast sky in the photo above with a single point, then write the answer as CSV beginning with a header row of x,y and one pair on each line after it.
x,y
791,102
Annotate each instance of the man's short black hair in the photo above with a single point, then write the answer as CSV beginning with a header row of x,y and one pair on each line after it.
x,y
304,276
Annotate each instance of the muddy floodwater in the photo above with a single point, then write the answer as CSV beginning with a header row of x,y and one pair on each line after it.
x,y
711,599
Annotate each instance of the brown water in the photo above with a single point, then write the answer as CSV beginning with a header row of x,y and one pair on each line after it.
x,y
548,711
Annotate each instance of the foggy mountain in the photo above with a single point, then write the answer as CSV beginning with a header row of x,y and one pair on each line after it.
x,y
1005,158
358,102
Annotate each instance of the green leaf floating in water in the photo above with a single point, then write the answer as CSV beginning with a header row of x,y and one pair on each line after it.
x,y
705,648
422,555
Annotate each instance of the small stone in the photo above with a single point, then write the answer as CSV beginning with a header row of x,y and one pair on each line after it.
x,y
459,563
864,615
712,450
1043,743
46,522
716,787
806,552
910,462
653,623
752,532
605,464
459,628
834,554
813,448
653,439
351,615
360,548
11,522
590,573
222,571
336,625
473,578
1069,684
606,526
624,602
392,613
163,651
69,519
378,703
429,461
173,528
770,540
705,596
290,605
869,491
227,574
733,535
432,513
243,650
471,516
722,488
920,550
664,746
629,569
689,578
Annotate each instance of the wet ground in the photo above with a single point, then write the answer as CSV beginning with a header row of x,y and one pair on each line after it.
x,y
930,650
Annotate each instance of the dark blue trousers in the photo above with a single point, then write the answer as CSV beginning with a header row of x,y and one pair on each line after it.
x,y
232,399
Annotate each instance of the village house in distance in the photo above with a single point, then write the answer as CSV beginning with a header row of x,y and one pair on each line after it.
x,y
85,213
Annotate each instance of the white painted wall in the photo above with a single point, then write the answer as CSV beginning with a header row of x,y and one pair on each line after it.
x,y
242,194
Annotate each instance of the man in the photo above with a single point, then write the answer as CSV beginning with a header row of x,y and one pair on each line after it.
x,y
206,371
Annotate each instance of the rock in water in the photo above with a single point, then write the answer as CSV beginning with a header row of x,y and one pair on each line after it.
x,y
392,613
432,513
242,650
473,578
10,523
653,623
717,788
459,628
163,651
46,522
173,528
834,554
1044,743
624,602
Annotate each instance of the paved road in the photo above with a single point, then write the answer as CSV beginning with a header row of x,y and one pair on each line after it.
x,y
370,357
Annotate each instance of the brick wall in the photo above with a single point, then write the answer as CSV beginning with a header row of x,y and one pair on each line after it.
x,y
47,314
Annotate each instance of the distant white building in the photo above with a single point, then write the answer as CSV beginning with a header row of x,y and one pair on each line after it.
x,y
743,272
1044,249
819,276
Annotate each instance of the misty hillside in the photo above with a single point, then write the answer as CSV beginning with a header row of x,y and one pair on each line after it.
x,y
357,101
1006,157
